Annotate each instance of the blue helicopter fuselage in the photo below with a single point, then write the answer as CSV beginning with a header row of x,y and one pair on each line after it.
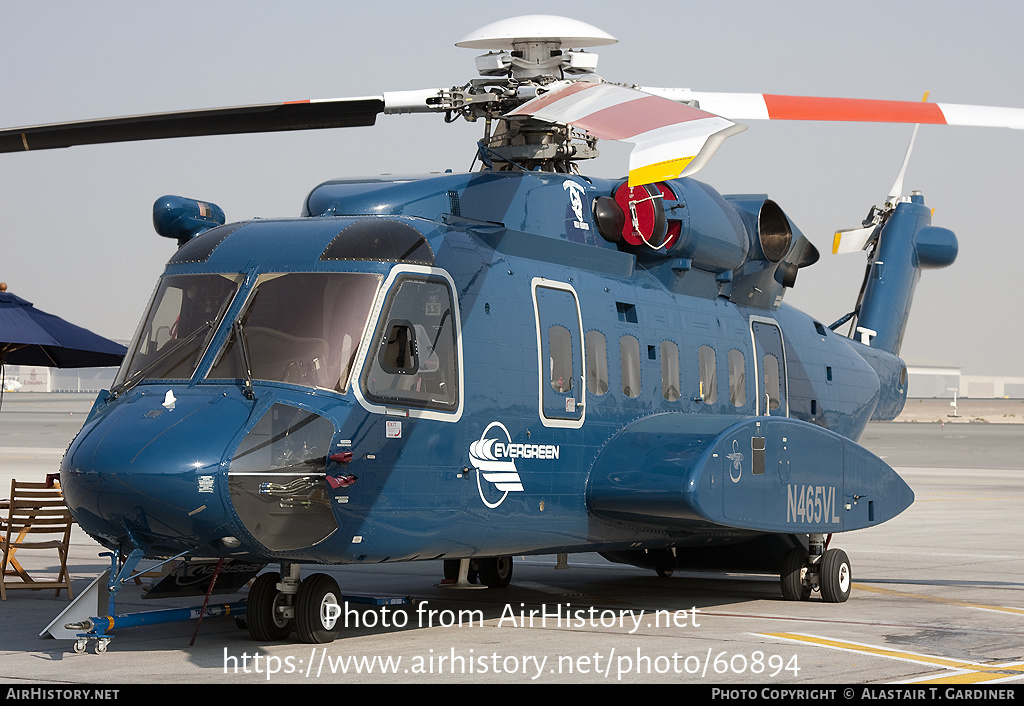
x,y
465,365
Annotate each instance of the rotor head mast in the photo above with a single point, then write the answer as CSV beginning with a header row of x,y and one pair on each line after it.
x,y
527,56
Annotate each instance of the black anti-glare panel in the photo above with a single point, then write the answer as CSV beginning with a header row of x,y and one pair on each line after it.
x,y
202,246
380,239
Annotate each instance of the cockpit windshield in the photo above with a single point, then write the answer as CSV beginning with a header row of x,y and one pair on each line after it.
x,y
300,328
182,317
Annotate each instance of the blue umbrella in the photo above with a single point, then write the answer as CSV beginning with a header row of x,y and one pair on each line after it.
x,y
29,336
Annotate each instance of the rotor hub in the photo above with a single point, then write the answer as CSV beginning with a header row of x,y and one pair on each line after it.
x,y
531,47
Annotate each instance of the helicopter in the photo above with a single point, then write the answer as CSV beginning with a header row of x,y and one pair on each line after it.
x,y
468,367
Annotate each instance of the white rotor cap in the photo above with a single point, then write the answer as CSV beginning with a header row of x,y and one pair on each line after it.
x,y
502,35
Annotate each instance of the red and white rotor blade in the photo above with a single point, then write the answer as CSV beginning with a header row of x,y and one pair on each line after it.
x,y
766,106
671,139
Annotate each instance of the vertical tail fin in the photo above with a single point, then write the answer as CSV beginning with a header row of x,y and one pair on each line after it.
x,y
906,243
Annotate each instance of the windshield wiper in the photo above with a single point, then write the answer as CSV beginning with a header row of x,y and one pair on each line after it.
x,y
141,373
243,349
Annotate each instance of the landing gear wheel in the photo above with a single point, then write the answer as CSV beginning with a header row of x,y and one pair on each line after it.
x,y
495,572
451,570
791,577
663,572
266,623
318,609
836,577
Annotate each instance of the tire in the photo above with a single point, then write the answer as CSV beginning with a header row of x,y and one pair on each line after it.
x,y
791,576
836,576
265,623
318,608
451,570
495,572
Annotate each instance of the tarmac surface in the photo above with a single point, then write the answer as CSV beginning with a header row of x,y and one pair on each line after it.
x,y
937,595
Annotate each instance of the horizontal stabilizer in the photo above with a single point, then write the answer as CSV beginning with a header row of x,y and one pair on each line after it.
x,y
762,474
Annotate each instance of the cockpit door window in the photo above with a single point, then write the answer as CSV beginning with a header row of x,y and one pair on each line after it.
x,y
414,353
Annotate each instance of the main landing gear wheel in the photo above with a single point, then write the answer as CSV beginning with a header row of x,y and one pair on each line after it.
x,y
318,609
794,588
266,621
495,572
836,578
451,570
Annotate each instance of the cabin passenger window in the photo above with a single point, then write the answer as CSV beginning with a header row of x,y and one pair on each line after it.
x,y
737,379
597,363
560,346
708,378
670,370
413,359
629,351
772,382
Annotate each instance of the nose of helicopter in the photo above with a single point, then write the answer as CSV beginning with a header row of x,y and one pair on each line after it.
x,y
145,470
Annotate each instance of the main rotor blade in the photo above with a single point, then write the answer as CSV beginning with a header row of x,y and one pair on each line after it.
x,y
273,117
671,139
766,106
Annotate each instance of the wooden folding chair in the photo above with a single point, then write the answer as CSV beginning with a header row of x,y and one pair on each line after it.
x,y
35,518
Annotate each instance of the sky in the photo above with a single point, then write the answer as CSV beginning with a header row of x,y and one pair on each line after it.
x,y
76,235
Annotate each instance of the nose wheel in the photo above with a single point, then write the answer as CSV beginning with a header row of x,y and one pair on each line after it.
x,y
836,578
795,584
827,571
318,609
268,611
311,607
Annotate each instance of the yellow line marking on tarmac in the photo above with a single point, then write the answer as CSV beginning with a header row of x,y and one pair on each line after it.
x,y
964,672
937,599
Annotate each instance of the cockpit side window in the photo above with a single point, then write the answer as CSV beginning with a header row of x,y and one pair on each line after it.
x,y
413,360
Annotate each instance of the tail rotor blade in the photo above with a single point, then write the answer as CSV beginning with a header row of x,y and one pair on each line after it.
x,y
897,188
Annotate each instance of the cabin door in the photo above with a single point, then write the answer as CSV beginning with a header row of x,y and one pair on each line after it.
x,y
770,359
560,354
